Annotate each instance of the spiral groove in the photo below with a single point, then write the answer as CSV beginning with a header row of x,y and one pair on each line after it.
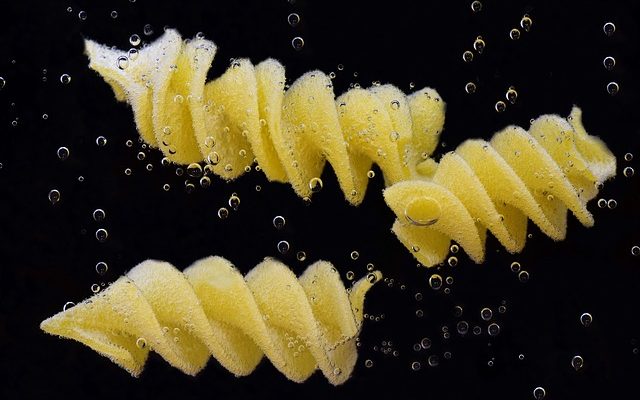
x,y
299,324
246,115
497,186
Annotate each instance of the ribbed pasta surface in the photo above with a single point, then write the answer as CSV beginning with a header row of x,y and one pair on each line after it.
x,y
299,323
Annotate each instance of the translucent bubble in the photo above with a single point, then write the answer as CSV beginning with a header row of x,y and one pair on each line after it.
x,y
613,88
612,204
234,202
101,267
422,211
129,143
95,288
520,357
194,170
467,56
283,246
45,116
293,19
166,187
368,363
628,172
205,182
65,79
213,158
134,39
511,95
209,141
297,43
2,82
435,281
452,261
101,141
476,6
68,305
371,174
301,255
350,275
82,15
415,366
609,63
141,156
462,327
477,330
122,62
355,255
479,44
54,196
515,266
102,235
586,319
493,329
470,87
526,23
523,276
486,314
395,104
433,360
500,106
127,171
99,214
114,14
609,28
223,213
149,167
539,393
635,250
63,153
628,157
458,311
315,184
577,363
418,296
602,203
148,30
372,277
514,34
279,222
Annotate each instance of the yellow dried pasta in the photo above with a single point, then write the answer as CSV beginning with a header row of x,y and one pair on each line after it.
x,y
246,115
299,324
498,185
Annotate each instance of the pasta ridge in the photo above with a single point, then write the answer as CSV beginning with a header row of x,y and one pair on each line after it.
x,y
300,324
497,186
247,116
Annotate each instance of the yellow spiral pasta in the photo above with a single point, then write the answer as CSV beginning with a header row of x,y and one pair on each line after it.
x,y
246,115
498,185
299,324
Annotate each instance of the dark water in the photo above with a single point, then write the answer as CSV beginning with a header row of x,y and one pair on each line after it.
x,y
49,252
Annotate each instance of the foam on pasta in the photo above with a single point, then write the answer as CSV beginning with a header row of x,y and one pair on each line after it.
x,y
247,116
300,324
499,185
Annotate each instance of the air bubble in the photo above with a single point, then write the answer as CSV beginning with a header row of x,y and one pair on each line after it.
x,y
223,213
514,34
470,87
65,79
511,95
422,211
68,305
613,88
500,106
234,202
526,23
54,196
486,314
122,62
194,170
462,327
95,288
479,44
63,153
134,39
415,366
476,6
148,30
279,222
102,235
586,319
635,250
315,184
493,329
301,255
293,19
609,28
515,267
435,281
82,15
628,172
101,267
297,43
577,363
539,393
467,56
101,141
355,255
99,215
628,157
611,204
283,246
523,276
433,360
609,63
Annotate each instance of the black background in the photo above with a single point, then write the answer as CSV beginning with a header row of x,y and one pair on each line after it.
x,y
48,252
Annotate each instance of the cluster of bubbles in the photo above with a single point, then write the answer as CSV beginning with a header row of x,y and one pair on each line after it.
x,y
511,95
294,20
609,62
516,268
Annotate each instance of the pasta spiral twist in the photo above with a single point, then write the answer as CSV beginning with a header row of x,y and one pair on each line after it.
x,y
498,185
299,324
247,113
